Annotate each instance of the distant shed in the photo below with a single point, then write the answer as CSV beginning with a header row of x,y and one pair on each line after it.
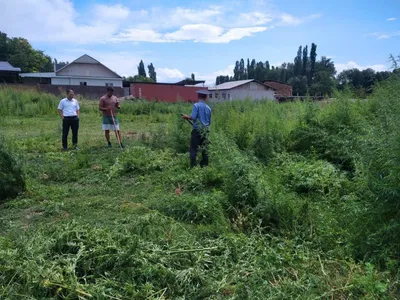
x,y
8,73
240,90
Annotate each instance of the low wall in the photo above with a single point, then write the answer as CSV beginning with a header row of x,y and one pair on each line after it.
x,y
91,92
84,91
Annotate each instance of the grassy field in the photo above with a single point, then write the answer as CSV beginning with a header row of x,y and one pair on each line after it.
x,y
300,201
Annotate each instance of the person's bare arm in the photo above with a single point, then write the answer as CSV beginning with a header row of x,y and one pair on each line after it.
x,y
78,112
186,117
101,106
61,114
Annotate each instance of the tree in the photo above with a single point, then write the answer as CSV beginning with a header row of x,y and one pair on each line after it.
x,y
22,55
141,69
152,72
313,59
242,70
267,67
4,40
222,79
259,72
138,78
60,64
298,65
193,77
325,64
323,85
299,85
305,61
236,71
251,70
248,68
395,61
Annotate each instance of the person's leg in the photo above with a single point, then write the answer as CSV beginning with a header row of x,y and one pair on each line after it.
x,y
65,129
107,135
194,145
75,128
204,150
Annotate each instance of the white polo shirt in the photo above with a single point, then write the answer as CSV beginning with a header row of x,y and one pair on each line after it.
x,y
69,107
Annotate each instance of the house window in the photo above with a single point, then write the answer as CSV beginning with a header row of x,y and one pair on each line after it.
x,y
210,96
223,96
109,84
229,96
216,95
83,83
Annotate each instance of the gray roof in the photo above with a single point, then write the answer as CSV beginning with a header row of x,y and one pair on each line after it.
x,y
230,85
6,66
42,75
86,59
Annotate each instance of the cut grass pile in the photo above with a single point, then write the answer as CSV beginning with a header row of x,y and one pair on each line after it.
x,y
300,201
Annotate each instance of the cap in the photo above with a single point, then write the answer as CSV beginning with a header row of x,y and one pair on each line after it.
x,y
203,92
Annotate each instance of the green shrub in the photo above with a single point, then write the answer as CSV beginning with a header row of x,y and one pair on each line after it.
x,y
202,209
12,180
333,134
140,160
310,176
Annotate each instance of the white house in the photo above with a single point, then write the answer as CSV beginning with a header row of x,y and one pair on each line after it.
x,y
85,71
241,90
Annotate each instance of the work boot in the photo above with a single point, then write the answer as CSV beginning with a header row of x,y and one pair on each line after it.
x,y
109,144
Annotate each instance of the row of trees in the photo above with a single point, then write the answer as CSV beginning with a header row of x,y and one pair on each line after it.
x,y
19,53
306,74
142,75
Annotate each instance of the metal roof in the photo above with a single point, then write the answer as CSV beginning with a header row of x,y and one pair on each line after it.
x,y
6,66
53,75
86,59
41,75
230,85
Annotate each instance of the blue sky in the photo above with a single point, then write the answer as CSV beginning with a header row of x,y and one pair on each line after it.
x,y
206,38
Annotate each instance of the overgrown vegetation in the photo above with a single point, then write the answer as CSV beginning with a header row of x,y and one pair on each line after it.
x,y
12,181
301,200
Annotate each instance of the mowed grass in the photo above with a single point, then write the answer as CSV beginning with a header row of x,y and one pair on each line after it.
x,y
282,212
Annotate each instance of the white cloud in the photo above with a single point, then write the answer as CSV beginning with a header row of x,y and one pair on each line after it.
x,y
109,12
287,19
139,35
168,75
210,78
195,32
391,19
56,21
236,34
354,65
254,19
384,35
203,33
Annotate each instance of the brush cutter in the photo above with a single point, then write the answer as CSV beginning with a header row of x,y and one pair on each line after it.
x,y
191,123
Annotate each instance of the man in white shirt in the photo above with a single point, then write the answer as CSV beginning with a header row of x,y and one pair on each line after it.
x,y
68,109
